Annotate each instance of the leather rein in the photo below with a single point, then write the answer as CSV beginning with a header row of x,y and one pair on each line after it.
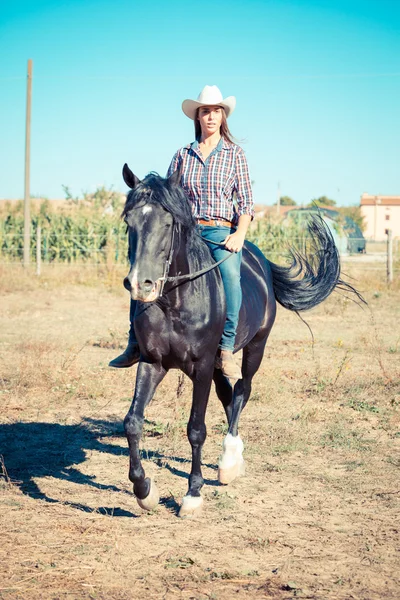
x,y
165,278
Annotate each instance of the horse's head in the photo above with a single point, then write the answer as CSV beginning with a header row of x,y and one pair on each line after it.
x,y
151,229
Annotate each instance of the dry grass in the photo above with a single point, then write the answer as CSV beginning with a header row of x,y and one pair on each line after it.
x,y
14,278
315,517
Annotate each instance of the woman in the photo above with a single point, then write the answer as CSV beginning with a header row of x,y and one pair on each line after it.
x,y
213,172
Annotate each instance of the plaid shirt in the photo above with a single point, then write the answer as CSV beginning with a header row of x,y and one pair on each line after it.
x,y
211,184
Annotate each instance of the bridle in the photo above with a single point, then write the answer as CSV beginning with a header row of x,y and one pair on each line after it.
x,y
176,278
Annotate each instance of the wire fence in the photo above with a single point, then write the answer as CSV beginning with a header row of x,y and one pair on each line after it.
x,y
56,247
49,247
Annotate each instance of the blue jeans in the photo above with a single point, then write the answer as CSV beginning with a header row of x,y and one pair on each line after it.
x,y
230,273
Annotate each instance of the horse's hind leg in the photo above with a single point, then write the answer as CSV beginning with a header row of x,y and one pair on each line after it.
x,y
147,379
232,464
252,357
197,432
224,390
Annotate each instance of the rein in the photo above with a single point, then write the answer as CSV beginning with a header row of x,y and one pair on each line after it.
x,y
164,279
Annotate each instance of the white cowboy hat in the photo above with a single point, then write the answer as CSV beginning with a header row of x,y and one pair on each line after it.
x,y
210,95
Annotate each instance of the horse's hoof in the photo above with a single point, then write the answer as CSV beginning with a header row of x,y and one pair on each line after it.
x,y
151,500
228,474
191,506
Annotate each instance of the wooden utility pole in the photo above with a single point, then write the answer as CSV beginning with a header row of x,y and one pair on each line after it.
x,y
27,212
389,256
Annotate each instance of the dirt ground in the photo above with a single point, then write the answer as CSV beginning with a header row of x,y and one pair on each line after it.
x,y
316,516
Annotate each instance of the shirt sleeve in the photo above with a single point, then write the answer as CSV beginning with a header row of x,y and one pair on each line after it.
x,y
175,163
244,193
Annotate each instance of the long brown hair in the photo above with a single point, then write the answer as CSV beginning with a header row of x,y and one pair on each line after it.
x,y
224,129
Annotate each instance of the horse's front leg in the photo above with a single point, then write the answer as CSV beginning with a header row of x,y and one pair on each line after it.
x,y
147,379
196,430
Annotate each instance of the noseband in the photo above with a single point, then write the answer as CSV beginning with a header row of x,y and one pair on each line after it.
x,y
164,279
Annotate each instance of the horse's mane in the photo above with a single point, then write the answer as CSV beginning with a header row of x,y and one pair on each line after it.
x,y
154,189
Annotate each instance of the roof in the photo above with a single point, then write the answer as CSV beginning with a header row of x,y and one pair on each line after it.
x,y
315,208
371,200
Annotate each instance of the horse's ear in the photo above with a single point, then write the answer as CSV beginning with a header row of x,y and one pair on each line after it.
x,y
175,178
130,178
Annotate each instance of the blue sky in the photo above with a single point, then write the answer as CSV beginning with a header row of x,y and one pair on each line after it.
x,y
317,84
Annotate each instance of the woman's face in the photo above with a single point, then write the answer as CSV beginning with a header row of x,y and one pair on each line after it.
x,y
210,118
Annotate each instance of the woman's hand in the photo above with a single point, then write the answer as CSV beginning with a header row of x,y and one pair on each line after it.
x,y
234,241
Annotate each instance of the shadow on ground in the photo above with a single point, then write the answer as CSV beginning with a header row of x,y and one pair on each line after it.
x,y
34,450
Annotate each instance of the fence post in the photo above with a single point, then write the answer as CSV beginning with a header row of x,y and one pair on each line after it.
x,y
38,249
389,270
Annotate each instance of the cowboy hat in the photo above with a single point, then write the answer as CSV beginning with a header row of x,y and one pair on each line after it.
x,y
210,95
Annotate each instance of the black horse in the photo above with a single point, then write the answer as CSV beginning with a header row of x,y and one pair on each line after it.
x,y
181,314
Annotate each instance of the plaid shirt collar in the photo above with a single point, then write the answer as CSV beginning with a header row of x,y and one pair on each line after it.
x,y
222,145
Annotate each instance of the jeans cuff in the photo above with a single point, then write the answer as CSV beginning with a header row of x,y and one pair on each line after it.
x,y
230,349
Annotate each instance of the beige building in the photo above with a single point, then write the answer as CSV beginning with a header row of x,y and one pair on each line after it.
x,y
380,213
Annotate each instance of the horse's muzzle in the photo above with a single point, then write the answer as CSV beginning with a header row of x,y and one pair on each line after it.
x,y
144,291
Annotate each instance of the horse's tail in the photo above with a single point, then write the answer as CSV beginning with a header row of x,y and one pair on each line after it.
x,y
311,276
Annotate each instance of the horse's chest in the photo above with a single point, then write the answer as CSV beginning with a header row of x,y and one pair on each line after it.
x,y
190,338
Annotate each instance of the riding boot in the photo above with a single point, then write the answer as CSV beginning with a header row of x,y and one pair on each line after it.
x,y
131,354
128,358
229,367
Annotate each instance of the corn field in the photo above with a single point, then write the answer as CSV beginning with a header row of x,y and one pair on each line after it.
x,y
91,231
86,231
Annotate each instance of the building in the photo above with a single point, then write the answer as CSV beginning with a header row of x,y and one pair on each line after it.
x,y
380,213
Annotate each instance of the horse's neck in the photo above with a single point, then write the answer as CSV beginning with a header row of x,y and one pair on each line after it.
x,y
190,257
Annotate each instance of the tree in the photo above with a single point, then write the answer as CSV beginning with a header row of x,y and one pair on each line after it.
x,y
354,212
322,201
287,201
